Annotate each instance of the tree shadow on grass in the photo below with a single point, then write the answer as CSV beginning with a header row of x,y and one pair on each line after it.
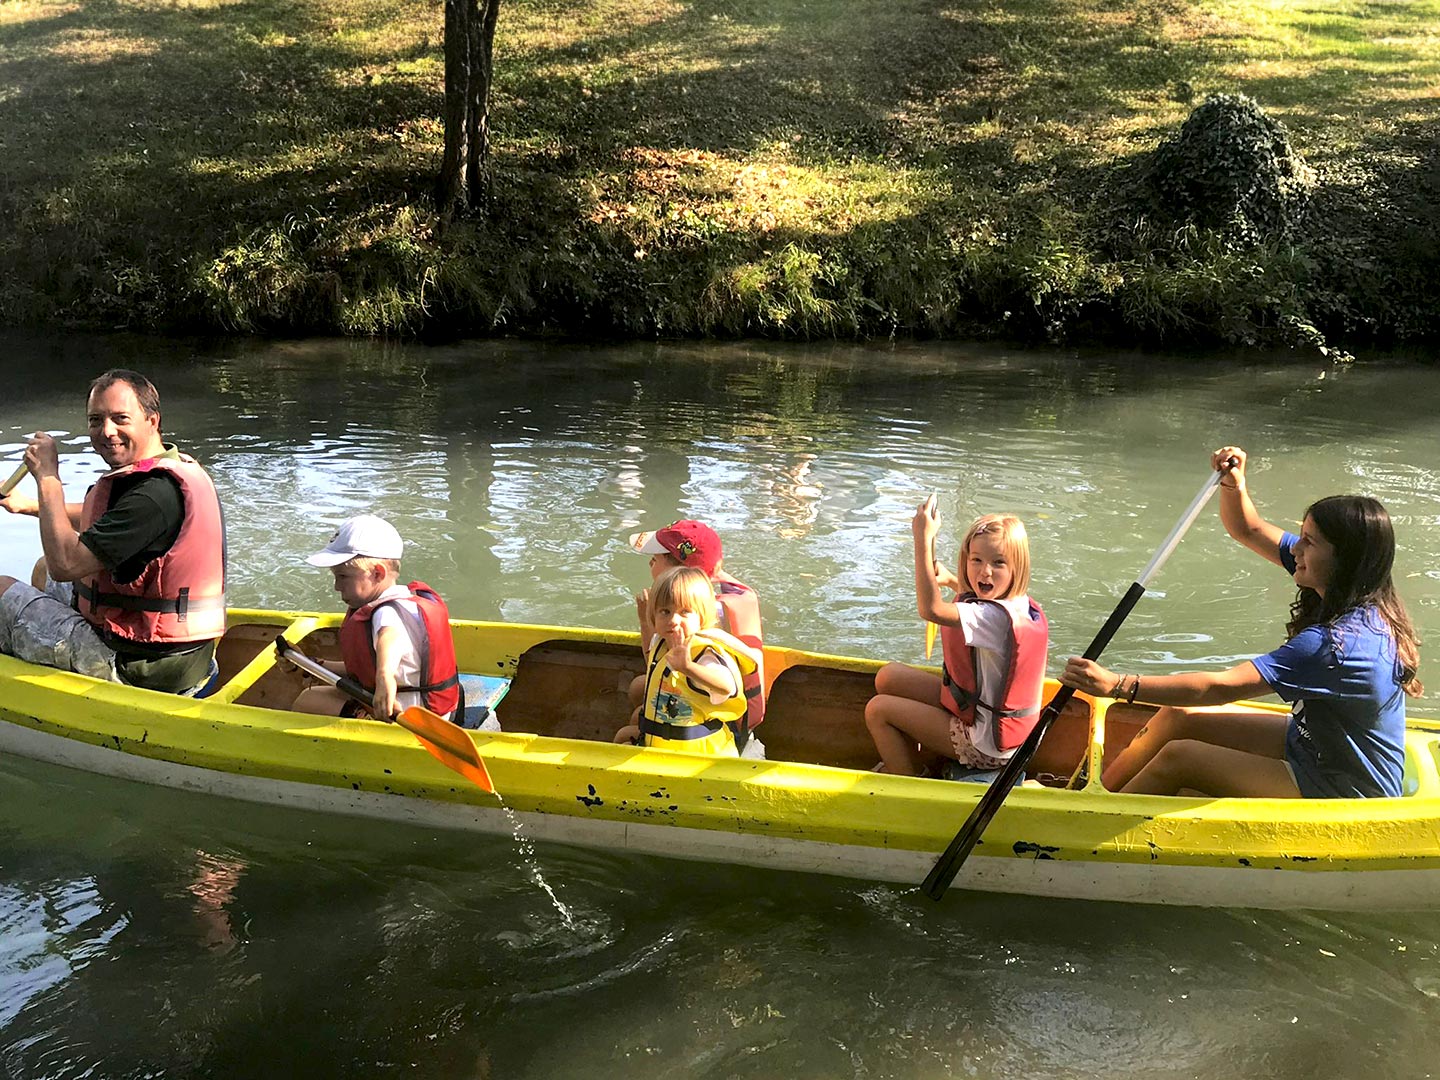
x,y
160,136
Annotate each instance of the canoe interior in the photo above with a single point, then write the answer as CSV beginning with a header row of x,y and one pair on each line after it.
x,y
577,689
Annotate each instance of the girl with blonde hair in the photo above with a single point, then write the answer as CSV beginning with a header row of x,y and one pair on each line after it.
x,y
994,638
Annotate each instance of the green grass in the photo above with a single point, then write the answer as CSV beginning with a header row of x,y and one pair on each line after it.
x,y
805,167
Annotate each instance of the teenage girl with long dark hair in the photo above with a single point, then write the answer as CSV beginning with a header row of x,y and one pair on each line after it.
x,y
1347,665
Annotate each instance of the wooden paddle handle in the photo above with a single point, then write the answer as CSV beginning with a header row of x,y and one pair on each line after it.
x,y
15,478
344,683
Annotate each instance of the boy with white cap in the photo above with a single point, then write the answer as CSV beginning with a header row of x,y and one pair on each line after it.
x,y
395,640
695,544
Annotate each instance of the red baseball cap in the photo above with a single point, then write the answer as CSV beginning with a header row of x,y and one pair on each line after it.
x,y
692,543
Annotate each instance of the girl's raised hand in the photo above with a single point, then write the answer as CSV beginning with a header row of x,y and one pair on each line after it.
x,y
1229,461
677,637
926,522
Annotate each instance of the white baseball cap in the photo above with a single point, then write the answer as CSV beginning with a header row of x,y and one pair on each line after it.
x,y
364,534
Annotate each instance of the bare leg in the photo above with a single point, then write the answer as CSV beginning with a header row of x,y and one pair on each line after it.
x,y
899,725
628,734
320,700
5,583
1259,733
1220,771
902,680
39,574
637,691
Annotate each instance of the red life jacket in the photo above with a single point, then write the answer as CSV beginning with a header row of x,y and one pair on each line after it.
x,y
439,675
179,596
741,609
1018,708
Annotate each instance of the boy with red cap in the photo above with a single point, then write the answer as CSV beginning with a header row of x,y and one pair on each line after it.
x,y
695,544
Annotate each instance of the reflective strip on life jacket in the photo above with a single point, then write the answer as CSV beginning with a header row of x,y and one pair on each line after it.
x,y
1018,707
681,733
179,596
434,648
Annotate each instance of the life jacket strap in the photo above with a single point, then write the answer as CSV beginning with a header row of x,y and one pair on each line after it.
x,y
1019,713
679,732
963,698
431,688
178,605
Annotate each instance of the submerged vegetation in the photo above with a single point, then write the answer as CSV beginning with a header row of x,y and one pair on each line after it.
x,y
1009,168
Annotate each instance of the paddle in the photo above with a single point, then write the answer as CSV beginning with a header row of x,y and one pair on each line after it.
x,y
931,629
448,743
15,478
948,865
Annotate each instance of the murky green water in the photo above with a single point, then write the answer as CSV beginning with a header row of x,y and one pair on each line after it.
x,y
148,933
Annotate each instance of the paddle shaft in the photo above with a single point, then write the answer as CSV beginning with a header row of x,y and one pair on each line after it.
x,y
346,685
930,628
15,478
949,863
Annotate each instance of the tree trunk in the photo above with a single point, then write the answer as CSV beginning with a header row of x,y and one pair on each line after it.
x,y
482,69
450,186
469,70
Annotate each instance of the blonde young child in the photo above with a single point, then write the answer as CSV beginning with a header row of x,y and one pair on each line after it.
x,y
694,671
693,543
994,638
395,640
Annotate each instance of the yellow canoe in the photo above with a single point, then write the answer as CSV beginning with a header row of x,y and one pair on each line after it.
x,y
813,806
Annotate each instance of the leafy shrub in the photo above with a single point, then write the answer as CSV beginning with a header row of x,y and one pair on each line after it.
x,y
1230,168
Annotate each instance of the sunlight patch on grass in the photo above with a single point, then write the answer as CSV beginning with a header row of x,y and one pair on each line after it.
x,y
101,47
33,11
694,196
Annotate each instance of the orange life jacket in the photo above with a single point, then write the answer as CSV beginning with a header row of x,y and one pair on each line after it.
x,y
741,608
1017,709
439,675
179,596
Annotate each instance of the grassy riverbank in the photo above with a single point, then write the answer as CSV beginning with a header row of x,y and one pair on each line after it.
x,y
807,167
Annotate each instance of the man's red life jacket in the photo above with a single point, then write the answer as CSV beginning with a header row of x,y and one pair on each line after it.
x,y
439,675
179,596
1018,708
741,608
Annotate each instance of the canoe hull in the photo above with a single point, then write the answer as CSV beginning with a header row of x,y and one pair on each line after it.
x,y
790,815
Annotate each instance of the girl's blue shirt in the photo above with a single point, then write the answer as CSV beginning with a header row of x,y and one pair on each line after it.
x,y
1346,737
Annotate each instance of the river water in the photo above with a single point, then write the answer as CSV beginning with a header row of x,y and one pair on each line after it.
x,y
146,932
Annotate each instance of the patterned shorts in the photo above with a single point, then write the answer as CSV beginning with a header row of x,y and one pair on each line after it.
x,y
42,628
965,751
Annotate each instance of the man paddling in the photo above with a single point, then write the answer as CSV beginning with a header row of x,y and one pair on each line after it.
x,y
135,585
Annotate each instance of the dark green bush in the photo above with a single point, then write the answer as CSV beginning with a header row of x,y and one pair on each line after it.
x,y
1229,168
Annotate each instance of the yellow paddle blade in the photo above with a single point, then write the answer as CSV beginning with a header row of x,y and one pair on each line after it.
x,y
447,743
930,631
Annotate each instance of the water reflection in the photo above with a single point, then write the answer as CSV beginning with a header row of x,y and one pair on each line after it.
x,y
144,931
